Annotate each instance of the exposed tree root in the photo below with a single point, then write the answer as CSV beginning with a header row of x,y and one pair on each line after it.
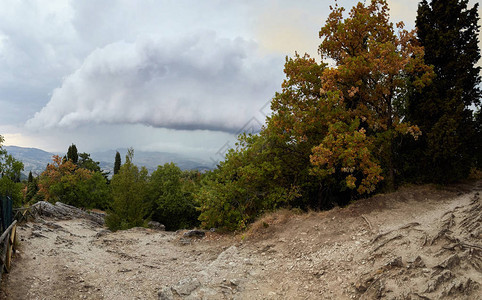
x,y
368,222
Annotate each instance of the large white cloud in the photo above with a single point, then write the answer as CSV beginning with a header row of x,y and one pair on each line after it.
x,y
196,82
49,44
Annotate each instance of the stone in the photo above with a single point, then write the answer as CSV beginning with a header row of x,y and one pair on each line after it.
x,y
186,286
185,241
37,234
450,263
194,233
65,212
436,281
102,233
165,294
364,282
417,263
156,225
396,262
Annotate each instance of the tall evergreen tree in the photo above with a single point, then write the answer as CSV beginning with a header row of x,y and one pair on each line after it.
x,y
72,154
117,163
86,162
449,32
128,191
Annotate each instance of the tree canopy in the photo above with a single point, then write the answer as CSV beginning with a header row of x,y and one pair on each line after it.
x,y
10,171
448,31
129,191
332,136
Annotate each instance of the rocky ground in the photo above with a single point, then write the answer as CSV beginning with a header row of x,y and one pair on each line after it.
x,y
417,243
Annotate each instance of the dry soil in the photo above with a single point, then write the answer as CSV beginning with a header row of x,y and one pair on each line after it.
x,y
418,243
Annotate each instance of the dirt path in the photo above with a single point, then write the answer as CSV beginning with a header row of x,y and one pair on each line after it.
x,y
418,243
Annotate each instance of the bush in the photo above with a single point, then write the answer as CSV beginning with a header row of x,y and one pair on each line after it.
x,y
128,193
171,197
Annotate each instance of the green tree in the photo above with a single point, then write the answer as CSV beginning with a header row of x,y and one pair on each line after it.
x,y
250,181
10,171
72,154
129,187
295,128
117,162
171,194
97,191
65,182
333,132
31,189
447,150
86,162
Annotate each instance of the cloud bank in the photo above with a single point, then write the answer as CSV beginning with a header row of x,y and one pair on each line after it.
x,y
197,82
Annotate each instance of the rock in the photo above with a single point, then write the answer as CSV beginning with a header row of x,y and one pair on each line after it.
x,y
417,263
186,286
462,288
224,258
194,233
396,262
450,262
364,282
156,225
445,276
234,282
184,241
102,233
65,212
37,234
53,225
165,294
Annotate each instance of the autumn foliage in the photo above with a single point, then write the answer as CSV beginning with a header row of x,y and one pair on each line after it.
x,y
332,135
340,129
376,64
66,182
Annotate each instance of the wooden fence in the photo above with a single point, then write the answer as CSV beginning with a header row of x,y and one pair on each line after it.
x,y
8,242
8,238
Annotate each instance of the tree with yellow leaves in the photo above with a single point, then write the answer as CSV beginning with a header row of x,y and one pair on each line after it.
x,y
375,65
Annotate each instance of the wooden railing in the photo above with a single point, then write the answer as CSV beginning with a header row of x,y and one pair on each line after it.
x,y
8,237
8,241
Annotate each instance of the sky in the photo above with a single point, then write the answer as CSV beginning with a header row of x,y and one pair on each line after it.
x,y
157,75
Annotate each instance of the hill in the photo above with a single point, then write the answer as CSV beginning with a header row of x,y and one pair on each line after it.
x,y
36,160
151,159
33,159
420,242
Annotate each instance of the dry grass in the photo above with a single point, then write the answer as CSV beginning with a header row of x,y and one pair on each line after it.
x,y
265,223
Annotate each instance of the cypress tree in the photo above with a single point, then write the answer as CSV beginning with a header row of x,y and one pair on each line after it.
x,y
72,154
117,163
448,31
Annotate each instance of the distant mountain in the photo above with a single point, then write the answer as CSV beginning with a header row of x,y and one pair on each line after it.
x,y
36,160
150,160
33,159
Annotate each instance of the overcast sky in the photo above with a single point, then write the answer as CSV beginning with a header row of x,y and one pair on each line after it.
x,y
160,75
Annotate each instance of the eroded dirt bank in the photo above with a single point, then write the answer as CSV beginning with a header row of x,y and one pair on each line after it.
x,y
418,243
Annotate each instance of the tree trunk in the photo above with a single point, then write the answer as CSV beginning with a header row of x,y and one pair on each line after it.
x,y
391,151
391,171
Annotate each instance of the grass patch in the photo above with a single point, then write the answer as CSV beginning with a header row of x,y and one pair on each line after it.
x,y
265,222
